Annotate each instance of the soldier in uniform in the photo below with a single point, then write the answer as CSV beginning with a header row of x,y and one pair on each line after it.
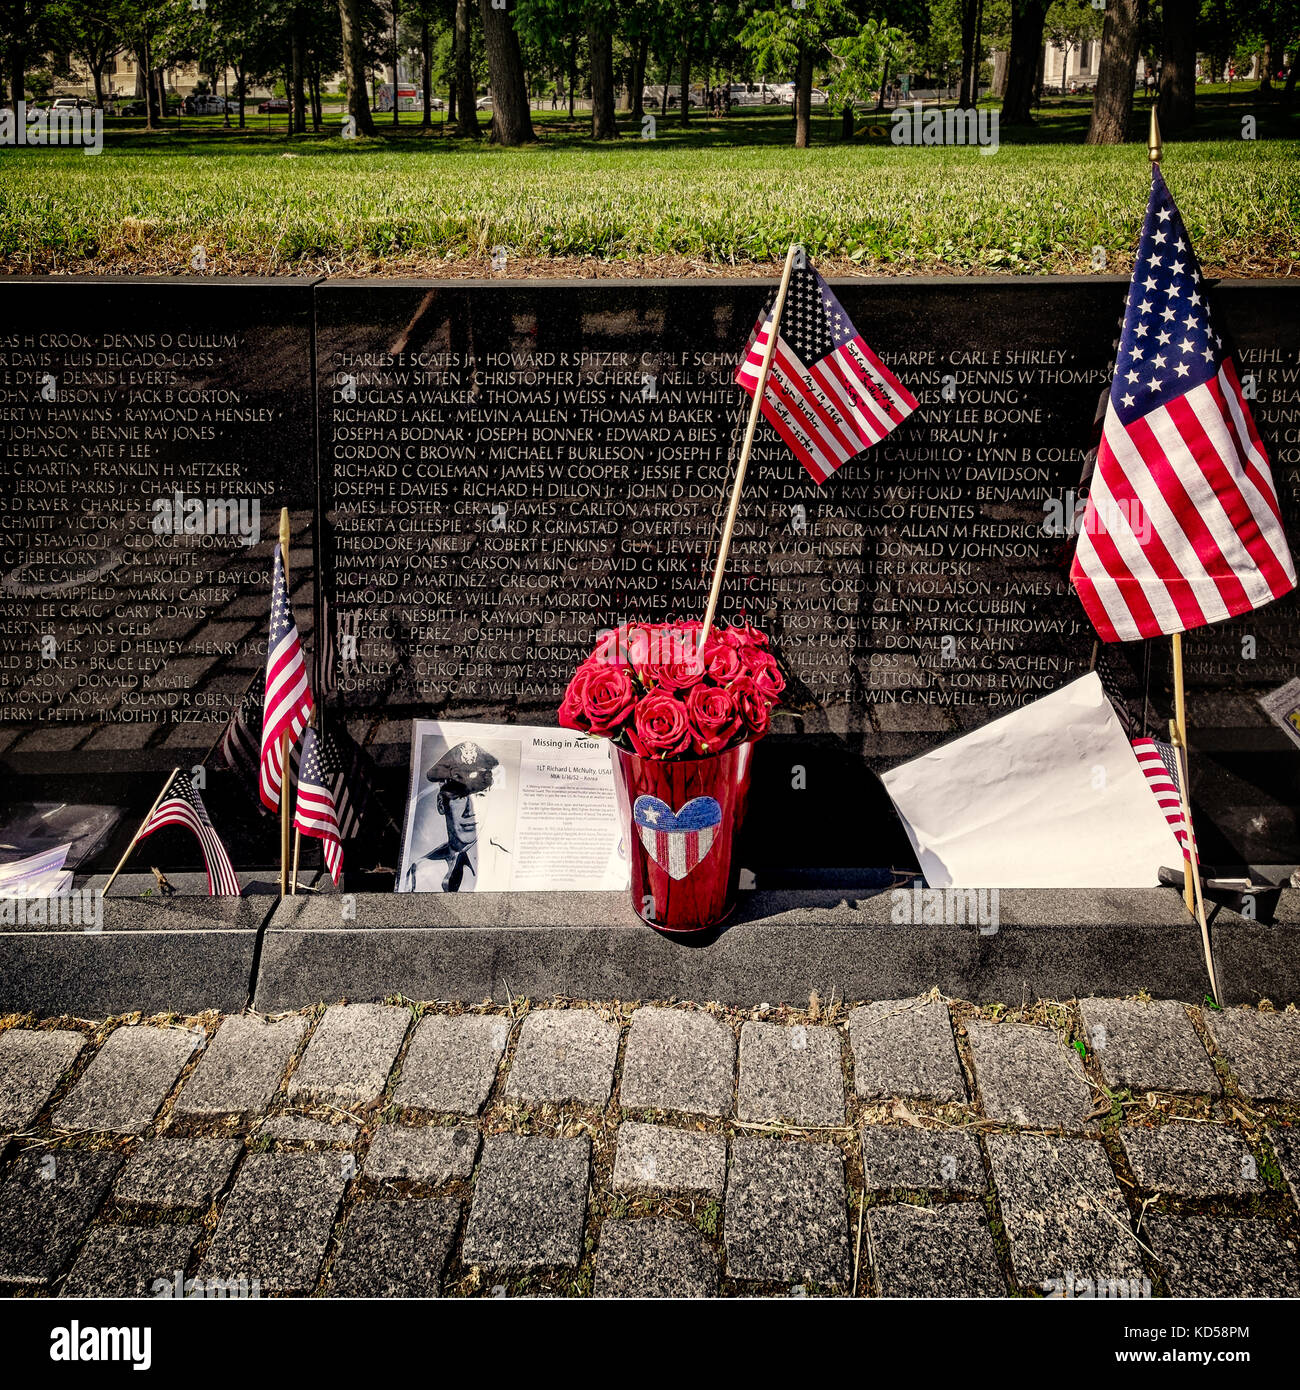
x,y
463,772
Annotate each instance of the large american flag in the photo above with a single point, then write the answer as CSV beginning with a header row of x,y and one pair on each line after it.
x,y
1159,764
287,702
1182,526
182,805
322,809
828,395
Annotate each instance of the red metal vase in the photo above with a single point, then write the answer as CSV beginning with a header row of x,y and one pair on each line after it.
x,y
681,818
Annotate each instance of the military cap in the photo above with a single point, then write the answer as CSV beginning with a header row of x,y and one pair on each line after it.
x,y
464,769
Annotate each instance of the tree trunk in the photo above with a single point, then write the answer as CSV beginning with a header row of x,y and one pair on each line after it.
x,y
297,100
663,93
512,121
354,66
426,75
98,74
1023,61
639,59
317,108
17,76
1116,72
243,88
686,84
803,100
1288,91
573,76
1177,103
466,107
968,11
846,121
1266,66
600,46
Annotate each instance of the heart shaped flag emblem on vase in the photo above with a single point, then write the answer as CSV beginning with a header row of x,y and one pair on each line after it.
x,y
676,840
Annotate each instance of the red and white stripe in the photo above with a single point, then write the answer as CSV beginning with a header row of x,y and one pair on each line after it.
x,y
1193,474
678,851
830,411
223,882
287,704
316,815
1163,787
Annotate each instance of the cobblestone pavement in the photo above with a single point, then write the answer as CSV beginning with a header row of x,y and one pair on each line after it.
x,y
902,1147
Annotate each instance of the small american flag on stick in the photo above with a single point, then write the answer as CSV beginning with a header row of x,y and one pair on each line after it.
x,y
1182,526
322,809
182,805
288,700
828,395
1159,764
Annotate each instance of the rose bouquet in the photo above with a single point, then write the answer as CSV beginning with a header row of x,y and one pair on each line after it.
x,y
650,690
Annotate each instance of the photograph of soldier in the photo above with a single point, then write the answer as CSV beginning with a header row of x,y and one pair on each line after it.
x,y
461,825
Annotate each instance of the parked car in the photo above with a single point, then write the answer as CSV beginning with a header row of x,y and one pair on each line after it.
x,y
817,97
484,103
70,103
207,104
273,106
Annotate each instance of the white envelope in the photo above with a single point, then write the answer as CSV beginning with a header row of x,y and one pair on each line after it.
x,y
1049,796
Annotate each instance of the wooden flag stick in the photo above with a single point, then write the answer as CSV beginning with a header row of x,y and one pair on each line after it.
x,y
1180,720
768,353
135,839
297,846
1193,872
284,737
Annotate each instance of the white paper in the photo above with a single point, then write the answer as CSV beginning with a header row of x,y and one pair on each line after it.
x,y
1049,796
548,821
1283,707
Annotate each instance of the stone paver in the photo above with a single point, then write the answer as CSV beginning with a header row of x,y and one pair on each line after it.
x,y
242,1068
933,1252
305,1129
1062,1209
1192,1160
132,1262
530,1202
905,1047
32,1061
452,1062
654,1158
1263,1050
47,1199
1286,1145
921,1159
127,1080
350,1054
656,1257
1029,1076
679,1059
785,1218
790,1074
177,1172
276,1223
429,1154
395,1249
564,1054
1223,1257
1147,1046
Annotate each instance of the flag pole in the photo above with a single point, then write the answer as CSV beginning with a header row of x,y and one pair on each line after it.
x,y
284,737
135,839
769,352
1193,874
1154,151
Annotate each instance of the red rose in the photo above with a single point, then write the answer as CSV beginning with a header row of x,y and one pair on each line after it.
x,y
572,714
755,708
761,667
672,660
715,720
607,697
723,664
660,728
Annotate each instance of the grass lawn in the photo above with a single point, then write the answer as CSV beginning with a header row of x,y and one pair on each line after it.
x,y
723,195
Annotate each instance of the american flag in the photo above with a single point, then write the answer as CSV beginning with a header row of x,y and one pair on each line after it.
x,y
182,805
1159,764
239,747
1182,526
828,395
322,809
288,700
